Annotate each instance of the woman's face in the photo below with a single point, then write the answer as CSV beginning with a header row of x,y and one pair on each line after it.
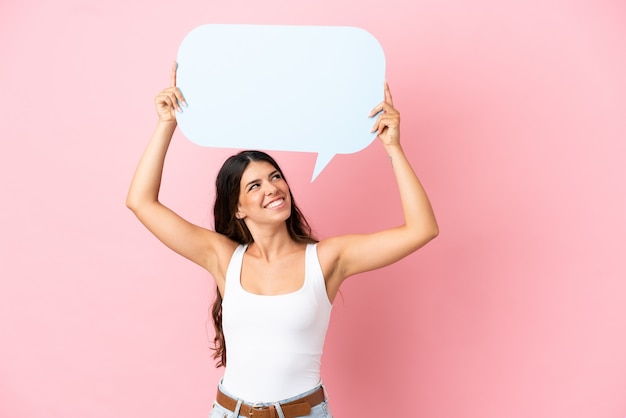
x,y
264,194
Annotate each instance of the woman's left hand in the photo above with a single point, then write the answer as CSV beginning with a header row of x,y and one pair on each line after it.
x,y
388,122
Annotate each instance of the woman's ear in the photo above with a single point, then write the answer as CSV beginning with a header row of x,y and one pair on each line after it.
x,y
239,214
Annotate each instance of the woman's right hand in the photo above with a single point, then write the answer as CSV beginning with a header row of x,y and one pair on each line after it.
x,y
168,101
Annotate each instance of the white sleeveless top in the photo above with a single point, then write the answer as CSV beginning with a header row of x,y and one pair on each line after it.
x,y
274,343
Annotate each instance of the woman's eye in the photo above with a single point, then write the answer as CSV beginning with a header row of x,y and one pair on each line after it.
x,y
276,176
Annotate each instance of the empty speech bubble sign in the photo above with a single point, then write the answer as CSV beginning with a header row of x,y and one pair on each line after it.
x,y
281,88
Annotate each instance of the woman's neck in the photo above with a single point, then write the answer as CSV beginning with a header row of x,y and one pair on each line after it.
x,y
269,244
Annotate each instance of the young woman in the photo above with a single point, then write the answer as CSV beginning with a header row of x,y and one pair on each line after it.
x,y
275,282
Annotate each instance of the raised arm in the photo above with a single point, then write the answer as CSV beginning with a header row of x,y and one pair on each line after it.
x,y
198,244
347,255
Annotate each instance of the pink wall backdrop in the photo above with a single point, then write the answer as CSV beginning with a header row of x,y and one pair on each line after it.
x,y
514,114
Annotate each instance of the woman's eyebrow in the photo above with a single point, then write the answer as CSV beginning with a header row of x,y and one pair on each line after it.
x,y
258,180
252,182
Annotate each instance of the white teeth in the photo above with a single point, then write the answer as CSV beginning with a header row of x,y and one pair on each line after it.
x,y
275,203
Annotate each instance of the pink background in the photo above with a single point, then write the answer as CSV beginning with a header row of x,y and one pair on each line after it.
x,y
514,117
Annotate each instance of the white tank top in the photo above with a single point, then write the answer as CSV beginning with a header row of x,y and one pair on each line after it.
x,y
274,343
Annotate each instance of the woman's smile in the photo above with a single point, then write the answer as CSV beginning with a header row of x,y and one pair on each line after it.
x,y
275,203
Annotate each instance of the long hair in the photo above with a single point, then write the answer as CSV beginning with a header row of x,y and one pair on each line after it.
x,y
227,187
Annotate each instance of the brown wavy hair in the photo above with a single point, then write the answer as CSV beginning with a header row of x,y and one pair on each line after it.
x,y
227,187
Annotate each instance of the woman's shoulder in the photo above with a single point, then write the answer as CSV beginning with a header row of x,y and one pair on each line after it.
x,y
222,252
332,247
328,252
332,253
326,245
225,249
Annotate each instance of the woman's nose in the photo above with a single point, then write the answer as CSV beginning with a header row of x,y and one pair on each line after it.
x,y
270,189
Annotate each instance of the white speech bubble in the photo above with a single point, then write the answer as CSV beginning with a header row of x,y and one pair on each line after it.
x,y
281,88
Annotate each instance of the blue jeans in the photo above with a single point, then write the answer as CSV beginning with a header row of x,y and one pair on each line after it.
x,y
318,411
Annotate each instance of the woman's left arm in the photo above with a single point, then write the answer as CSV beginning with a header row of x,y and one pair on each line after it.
x,y
352,254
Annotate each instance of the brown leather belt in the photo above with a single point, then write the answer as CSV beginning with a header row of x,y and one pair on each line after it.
x,y
298,408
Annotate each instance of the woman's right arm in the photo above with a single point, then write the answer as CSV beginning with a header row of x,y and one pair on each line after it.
x,y
200,245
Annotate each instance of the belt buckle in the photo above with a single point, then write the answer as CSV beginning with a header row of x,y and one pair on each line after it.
x,y
254,407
